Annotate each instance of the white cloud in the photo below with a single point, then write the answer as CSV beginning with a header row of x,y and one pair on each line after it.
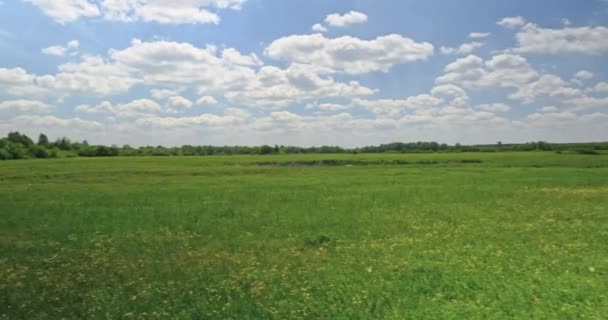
x,y
601,87
352,17
53,123
25,106
158,11
168,12
494,107
273,87
231,74
231,117
464,48
327,106
206,100
73,44
502,71
180,63
174,13
232,56
172,66
552,117
546,85
92,75
162,94
548,109
55,51
349,54
319,28
71,48
64,11
584,75
18,82
586,102
507,71
455,95
134,109
179,103
396,107
583,40
512,22
479,35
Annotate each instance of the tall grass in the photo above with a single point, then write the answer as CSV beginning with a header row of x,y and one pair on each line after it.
x,y
513,235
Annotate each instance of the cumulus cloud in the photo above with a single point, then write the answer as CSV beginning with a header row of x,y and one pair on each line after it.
x,y
508,71
181,63
18,82
274,87
158,11
206,100
352,17
232,116
601,87
93,74
134,109
162,94
66,10
25,106
71,48
548,109
584,75
52,123
512,22
317,27
327,107
479,35
169,67
397,107
494,107
587,40
464,48
179,104
501,71
348,54
455,95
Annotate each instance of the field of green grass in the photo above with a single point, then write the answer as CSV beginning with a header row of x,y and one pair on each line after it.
x,y
393,236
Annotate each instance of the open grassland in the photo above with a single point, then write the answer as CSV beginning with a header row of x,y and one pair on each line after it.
x,y
417,236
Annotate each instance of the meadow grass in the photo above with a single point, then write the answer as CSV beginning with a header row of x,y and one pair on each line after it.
x,y
388,236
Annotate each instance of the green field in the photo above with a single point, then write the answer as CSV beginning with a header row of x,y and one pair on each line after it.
x,y
414,236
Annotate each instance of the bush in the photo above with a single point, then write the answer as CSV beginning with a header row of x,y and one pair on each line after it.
x,y
40,152
5,155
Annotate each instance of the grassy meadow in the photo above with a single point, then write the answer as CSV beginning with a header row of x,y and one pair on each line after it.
x,y
386,236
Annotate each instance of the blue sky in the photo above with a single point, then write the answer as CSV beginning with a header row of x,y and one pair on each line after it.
x,y
304,72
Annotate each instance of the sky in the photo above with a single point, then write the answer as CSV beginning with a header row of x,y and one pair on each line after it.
x,y
305,72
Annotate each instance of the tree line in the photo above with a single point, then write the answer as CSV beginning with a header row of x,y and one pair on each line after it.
x,y
20,146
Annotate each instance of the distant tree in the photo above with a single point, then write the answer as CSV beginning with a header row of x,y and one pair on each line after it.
x,y
266,149
43,140
542,145
16,137
64,144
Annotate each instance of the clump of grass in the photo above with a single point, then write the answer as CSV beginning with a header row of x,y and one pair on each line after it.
x,y
321,240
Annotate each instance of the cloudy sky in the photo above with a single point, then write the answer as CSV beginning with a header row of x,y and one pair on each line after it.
x,y
305,72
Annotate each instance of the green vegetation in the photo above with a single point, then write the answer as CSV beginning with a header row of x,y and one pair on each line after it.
x,y
418,236
20,146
